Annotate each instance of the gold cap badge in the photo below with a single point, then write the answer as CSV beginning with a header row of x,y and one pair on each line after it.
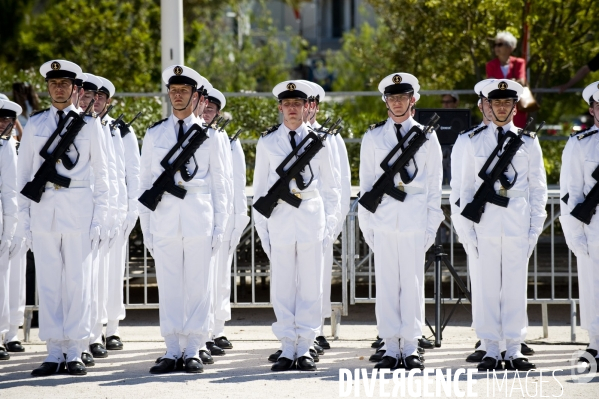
x,y
178,70
291,86
55,65
397,79
502,86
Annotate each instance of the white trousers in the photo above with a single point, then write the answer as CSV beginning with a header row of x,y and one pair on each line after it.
x,y
4,294
399,272
296,295
222,290
115,306
588,283
16,294
185,273
63,266
327,278
501,281
99,290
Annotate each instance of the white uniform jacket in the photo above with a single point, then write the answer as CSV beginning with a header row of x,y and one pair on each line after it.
x,y
64,210
525,215
8,188
224,142
315,217
132,164
420,212
582,157
201,213
119,153
113,179
240,202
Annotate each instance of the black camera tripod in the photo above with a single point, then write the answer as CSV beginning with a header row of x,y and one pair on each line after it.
x,y
438,260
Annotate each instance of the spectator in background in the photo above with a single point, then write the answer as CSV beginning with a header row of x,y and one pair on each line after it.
x,y
17,130
504,66
591,66
450,100
25,95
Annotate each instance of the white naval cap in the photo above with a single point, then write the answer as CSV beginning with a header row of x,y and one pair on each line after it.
x,y
207,87
180,74
399,82
62,69
217,98
9,109
292,89
591,92
317,92
3,96
107,87
91,82
478,88
502,88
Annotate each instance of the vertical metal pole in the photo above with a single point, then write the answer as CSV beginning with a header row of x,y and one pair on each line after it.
x,y
573,320
127,273
352,257
254,259
344,267
171,38
146,275
438,324
552,250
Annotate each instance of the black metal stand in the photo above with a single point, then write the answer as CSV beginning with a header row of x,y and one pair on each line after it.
x,y
438,260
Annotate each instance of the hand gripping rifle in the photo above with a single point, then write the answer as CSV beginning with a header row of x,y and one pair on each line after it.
x,y
585,210
7,130
105,114
385,184
125,127
280,190
486,192
47,171
115,123
166,181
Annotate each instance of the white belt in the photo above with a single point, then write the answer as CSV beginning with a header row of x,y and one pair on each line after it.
x,y
74,184
511,193
411,189
195,189
303,195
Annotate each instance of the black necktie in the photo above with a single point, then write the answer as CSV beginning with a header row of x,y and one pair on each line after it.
x,y
500,136
60,114
181,131
292,139
398,131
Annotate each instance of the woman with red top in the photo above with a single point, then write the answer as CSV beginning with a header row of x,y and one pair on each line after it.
x,y
507,67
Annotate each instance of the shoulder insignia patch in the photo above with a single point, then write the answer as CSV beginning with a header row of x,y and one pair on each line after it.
x,y
532,135
91,114
5,137
587,134
375,125
477,131
271,129
580,131
39,112
157,123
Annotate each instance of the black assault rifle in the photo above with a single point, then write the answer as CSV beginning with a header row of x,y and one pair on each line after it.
x,y
47,171
166,181
486,192
115,123
585,210
125,127
7,130
235,136
280,190
385,184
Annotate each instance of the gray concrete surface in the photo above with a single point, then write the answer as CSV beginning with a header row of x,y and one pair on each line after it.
x,y
244,371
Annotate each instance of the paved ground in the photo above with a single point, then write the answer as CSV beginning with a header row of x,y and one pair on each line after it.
x,y
245,373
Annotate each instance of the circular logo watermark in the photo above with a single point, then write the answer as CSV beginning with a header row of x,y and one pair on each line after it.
x,y
583,372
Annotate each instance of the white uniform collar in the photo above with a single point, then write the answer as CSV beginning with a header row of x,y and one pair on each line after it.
x,y
300,131
405,125
54,110
510,126
187,122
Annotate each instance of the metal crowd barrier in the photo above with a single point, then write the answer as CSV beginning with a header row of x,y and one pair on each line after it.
x,y
552,273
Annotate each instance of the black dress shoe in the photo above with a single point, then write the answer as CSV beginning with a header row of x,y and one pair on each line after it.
x,y
421,350
520,364
388,362
323,343
14,346
98,351
377,344
223,343
87,359
48,368
503,355
314,355
425,343
489,363
273,358
414,362
205,357
164,366
282,364
592,352
526,350
306,363
477,344
377,356
318,349
113,343
76,368
476,356
214,349
193,365
4,354
180,365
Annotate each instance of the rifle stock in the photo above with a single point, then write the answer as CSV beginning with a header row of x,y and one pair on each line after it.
x,y
585,210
